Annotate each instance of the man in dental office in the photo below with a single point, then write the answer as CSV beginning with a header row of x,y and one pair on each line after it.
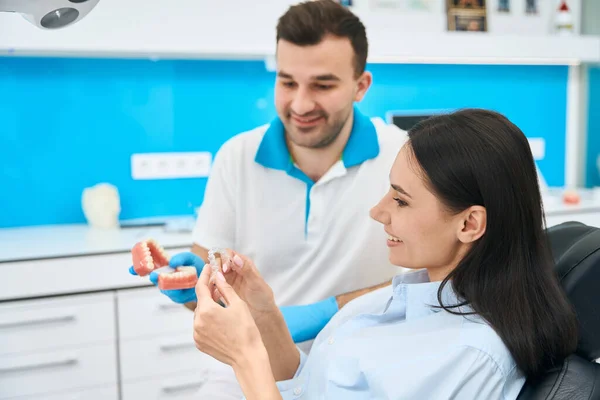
x,y
294,195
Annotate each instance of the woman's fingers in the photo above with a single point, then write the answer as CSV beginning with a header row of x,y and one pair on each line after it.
x,y
203,291
244,266
218,297
228,294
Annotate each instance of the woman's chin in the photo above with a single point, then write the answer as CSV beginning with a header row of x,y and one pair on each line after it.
x,y
401,262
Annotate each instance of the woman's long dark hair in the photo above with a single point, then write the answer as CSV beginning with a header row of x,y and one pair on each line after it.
x,y
478,157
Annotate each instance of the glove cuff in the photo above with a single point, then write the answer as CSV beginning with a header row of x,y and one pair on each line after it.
x,y
327,307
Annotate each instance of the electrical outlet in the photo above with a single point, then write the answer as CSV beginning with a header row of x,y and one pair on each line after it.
x,y
170,165
538,148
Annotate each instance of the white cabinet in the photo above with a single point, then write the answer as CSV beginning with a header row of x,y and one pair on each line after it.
x,y
134,341
150,358
74,324
110,392
57,345
157,352
170,386
125,341
145,312
67,275
36,325
43,373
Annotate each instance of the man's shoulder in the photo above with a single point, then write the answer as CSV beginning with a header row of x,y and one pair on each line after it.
x,y
389,134
237,154
244,142
391,138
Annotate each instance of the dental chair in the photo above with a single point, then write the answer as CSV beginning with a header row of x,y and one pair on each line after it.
x,y
576,251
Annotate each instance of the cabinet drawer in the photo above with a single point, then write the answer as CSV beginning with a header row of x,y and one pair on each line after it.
x,y
34,278
47,372
151,357
178,386
33,325
103,393
146,312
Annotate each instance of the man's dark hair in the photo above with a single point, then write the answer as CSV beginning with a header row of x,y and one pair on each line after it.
x,y
307,23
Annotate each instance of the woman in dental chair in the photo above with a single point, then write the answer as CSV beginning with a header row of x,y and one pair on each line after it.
x,y
481,311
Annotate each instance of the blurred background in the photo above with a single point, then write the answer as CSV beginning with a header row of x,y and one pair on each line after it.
x,y
138,77
131,99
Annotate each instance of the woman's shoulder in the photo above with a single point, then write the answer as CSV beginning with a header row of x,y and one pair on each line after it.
x,y
478,334
477,340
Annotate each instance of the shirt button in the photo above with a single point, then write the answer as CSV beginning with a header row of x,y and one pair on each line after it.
x,y
331,340
297,391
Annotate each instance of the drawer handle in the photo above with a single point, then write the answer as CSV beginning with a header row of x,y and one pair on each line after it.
x,y
172,306
35,322
51,364
167,348
183,387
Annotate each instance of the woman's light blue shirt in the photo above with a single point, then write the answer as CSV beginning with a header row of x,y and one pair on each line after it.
x,y
391,344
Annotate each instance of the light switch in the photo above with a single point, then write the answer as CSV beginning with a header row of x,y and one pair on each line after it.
x,y
170,165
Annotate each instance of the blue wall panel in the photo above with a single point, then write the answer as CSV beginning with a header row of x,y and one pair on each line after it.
x,y
592,172
67,124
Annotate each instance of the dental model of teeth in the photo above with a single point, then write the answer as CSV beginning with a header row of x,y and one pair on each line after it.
x,y
149,256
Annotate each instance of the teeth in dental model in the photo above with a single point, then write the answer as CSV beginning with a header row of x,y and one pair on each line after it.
x,y
158,248
147,256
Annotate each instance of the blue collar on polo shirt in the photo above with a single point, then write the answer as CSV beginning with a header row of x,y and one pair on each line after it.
x,y
273,151
362,145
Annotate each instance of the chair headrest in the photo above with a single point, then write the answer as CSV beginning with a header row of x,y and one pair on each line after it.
x,y
576,250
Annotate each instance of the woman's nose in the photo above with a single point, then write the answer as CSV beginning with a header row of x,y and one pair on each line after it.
x,y
379,214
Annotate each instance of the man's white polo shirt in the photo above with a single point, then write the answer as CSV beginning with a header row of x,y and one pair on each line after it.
x,y
310,240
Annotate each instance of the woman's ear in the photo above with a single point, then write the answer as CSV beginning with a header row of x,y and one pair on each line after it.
x,y
473,222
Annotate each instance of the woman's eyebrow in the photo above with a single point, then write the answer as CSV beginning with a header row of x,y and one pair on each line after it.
x,y
400,190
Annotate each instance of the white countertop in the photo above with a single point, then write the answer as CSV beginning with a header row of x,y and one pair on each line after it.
x,y
52,241
40,242
554,205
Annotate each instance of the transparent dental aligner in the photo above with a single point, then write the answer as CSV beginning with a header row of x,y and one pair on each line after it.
x,y
216,262
212,260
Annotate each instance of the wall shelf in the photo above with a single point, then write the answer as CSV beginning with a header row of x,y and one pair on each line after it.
x,y
195,30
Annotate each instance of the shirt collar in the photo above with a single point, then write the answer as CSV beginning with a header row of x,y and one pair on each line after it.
x,y
362,144
421,295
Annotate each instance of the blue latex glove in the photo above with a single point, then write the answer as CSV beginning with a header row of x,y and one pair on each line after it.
x,y
187,259
306,321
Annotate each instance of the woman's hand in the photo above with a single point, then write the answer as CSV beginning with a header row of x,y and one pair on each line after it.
x,y
228,334
241,273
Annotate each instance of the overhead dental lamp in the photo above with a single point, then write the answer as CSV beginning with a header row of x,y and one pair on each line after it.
x,y
50,14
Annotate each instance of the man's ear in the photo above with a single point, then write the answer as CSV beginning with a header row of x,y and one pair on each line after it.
x,y
472,224
363,84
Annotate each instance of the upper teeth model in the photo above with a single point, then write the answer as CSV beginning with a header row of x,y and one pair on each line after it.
x,y
149,256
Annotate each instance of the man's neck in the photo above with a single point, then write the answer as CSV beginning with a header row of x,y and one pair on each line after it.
x,y
316,162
